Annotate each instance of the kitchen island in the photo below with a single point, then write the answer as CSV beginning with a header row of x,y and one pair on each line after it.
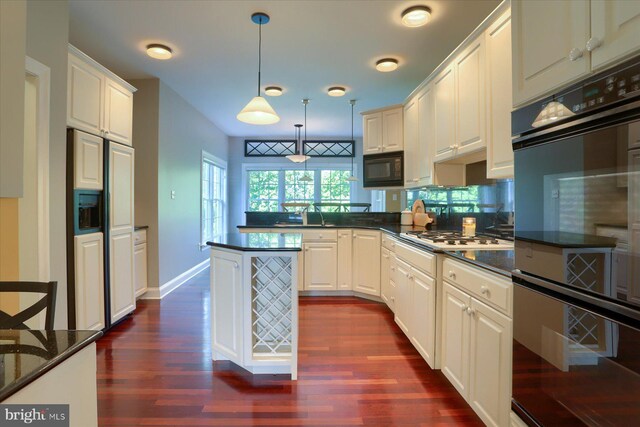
x,y
254,301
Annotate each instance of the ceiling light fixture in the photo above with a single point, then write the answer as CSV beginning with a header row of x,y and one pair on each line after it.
x,y
305,177
416,16
159,51
386,64
298,157
273,91
336,91
352,178
552,112
258,111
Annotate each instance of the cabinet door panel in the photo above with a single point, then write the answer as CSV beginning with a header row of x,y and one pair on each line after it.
x,y
616,23
118,113
423,163
444,113
499,84
392,130
121,163
320,266
385,278
84,96
411,144
544,34
455,338
423,315
345,264
470,96
88,161
403,296
490,357
366,262
372,133
121,279
89,281
226,305
140,256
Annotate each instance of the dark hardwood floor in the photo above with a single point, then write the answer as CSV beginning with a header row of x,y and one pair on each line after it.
x,y
355,368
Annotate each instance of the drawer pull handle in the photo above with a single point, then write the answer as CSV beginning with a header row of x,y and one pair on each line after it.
x,y
484,290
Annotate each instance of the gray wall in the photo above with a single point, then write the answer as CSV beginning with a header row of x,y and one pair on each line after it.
x,y
145,141
47,39
237,160
183,133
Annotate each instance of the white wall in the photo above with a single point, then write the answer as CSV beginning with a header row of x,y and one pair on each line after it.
x,y
237,197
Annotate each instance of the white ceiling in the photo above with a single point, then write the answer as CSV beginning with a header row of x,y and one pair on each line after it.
x,y
307,47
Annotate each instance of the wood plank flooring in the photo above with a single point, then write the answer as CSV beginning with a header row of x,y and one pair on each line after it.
x,y
356,368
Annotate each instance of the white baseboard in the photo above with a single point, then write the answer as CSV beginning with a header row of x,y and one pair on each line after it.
x,y
176,282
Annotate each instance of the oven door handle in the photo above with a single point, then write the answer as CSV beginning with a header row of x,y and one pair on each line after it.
x,y
598,305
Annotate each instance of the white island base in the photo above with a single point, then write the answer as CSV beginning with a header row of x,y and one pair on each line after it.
x,y
254,309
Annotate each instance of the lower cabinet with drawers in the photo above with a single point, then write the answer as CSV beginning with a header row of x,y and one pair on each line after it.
x,y
477,339
140,261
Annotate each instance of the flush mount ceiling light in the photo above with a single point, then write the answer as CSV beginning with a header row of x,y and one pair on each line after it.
x,y
352,178
258,111
336,91
298,157
416,16
273,91
159,51
552,112
386,64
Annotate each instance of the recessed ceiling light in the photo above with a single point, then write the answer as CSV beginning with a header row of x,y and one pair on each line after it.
x,y
336,91
387,64
416,16
273,91
159,51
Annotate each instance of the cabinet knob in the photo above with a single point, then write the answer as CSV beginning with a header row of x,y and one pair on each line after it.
x,y
320,236
393,269
306,250
575,54
106,132
411,277
406,274
464,307
484,290
470,311
593,43
452,275
236,265
393,298
354,236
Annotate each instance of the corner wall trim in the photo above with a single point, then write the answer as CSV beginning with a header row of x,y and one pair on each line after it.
x,y
176,282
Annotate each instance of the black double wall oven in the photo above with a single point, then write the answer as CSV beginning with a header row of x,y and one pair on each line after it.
x,y
576,326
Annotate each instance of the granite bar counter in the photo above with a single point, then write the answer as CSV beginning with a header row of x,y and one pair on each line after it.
x,y
251,242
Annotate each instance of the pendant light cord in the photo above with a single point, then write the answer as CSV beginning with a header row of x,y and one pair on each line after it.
x,y
259,53
352,141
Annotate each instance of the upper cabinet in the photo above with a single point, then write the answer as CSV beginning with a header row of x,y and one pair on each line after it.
x,y
419,139
98,102
470,98
556,43
382,130
498,110
444,109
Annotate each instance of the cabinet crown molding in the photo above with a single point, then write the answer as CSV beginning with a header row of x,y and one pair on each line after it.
x,y
110,74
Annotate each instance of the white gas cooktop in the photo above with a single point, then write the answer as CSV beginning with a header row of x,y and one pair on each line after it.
x,y
453,240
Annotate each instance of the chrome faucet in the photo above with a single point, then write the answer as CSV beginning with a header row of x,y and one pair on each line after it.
x,y
303,214
321,217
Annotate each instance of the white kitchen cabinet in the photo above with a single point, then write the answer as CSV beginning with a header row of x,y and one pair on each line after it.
x,y
98,102
422,331
382,130
548,46
88,161
227,303
470,98
403,296
366,262
455,337
320,266
498,110
393,271
122,271
85,96
345,255
385,276
118,112
489,356
444,86
411,143
140,261
615,31
89,281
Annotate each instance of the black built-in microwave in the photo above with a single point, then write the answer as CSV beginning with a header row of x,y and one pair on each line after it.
x,y
383,170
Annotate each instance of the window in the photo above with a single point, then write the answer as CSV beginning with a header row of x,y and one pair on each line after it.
x,y
214,198
267,189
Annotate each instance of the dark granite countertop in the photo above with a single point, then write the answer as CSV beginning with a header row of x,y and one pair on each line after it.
x,y
140,227
26,355
497,261
258,242
565,240
389,228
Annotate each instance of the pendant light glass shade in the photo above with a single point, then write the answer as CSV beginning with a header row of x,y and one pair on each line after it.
x,y
298,157
258,112
306,178
552,112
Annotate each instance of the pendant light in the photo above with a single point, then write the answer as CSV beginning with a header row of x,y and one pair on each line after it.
x,y
552,112
305,177
258,111
298,157
352,178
